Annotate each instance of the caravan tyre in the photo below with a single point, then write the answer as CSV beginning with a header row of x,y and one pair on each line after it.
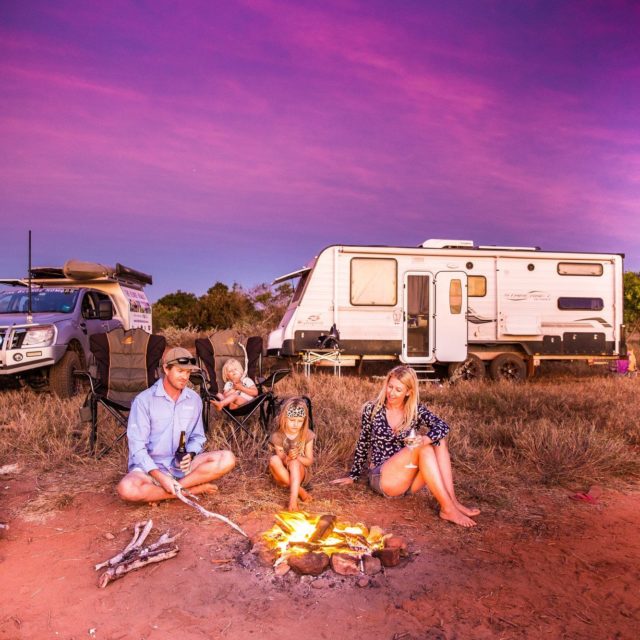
x,y
508,366
471,369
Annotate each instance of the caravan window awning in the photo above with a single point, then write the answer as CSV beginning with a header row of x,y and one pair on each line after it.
x,y
292,275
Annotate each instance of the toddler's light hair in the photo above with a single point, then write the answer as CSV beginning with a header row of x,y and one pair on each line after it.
x,y
229,364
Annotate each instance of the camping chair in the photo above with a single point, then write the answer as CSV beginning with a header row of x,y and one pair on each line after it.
x,y
127,363
212,353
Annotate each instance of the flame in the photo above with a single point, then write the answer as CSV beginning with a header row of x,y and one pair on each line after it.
x,y
293,531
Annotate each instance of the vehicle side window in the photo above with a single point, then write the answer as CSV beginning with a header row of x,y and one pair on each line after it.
x,y
89,310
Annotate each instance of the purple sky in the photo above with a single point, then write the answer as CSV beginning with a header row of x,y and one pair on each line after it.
x,y
232,140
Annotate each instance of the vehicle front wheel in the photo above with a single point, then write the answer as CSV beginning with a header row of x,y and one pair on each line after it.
x,y
471,369
508,366
62,380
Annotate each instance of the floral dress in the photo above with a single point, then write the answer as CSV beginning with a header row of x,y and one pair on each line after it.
x,y
378,439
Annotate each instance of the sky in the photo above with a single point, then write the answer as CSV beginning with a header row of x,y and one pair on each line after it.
x,y
232,140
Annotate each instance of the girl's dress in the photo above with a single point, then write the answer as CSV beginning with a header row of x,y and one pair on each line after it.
x,y
279,439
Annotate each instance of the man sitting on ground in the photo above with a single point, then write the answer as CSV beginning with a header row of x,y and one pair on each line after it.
x,y
157,417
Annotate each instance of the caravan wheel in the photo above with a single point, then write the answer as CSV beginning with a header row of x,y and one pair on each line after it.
x,y
508,366
471,369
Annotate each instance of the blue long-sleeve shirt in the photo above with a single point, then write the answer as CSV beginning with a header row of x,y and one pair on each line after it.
x,y
155,423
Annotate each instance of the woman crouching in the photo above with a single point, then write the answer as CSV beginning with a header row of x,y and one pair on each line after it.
x,y
396,469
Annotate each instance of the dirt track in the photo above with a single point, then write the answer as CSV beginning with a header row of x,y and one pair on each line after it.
x,y
549,568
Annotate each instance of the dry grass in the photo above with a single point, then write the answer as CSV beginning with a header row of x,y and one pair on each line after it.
x,y
566,430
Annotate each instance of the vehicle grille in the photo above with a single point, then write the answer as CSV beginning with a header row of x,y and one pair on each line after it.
x,y
16,336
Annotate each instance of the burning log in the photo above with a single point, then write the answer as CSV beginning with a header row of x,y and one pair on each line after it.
x,y
311,564
324,527
135,556
284,525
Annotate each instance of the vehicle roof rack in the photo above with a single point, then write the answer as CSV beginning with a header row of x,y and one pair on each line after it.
x,y
90,271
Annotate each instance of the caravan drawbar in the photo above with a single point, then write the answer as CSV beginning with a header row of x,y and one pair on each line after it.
x,y
451,303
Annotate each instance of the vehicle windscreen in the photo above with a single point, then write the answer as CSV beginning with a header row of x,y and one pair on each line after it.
x,y
42,300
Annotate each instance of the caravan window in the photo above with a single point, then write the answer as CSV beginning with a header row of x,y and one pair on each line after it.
x,y
455,297
374,281
581,304
477,286
579,269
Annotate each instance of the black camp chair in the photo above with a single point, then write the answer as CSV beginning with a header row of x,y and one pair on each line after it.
x,y
212,353
127,362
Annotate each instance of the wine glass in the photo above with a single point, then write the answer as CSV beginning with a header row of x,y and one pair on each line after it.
x,y
411,440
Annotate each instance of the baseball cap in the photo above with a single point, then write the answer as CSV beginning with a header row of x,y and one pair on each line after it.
x,y
181,357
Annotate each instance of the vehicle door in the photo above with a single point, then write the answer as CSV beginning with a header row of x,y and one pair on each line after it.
x,y
417,330
109,321
450,316
90,322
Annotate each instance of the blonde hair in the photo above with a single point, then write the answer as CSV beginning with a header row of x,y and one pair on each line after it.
x,y
282,416
227,365
407,376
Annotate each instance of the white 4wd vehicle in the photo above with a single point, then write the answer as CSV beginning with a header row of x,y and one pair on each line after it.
x,y
44,338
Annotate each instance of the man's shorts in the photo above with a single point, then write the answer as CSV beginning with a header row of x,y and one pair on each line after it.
x,y
174,473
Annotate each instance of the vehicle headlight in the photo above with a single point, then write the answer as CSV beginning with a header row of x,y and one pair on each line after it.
x,y
39,336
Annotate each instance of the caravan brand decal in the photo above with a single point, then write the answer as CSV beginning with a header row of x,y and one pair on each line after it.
x,y
602,321
529,296
474,318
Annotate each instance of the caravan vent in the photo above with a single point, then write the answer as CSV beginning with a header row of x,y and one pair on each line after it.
x,y
436,243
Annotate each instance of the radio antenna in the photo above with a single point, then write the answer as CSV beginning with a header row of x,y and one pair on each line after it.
x,y
29,308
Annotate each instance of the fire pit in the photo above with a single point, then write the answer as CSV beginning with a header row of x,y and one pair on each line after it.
x,y
308,544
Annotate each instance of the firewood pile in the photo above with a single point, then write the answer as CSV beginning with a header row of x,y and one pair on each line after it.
x,y
135,556
308,545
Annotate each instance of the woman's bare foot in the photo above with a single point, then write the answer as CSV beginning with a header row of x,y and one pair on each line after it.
x,y
457,517
468,511
304,495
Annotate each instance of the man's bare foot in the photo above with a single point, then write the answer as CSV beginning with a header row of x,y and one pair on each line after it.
x,y
457,517
304,495
468,511
204,488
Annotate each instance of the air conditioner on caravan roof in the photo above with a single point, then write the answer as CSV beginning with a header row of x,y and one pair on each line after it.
x,y
436,243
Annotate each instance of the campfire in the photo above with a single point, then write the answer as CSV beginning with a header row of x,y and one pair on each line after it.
x,y
309,544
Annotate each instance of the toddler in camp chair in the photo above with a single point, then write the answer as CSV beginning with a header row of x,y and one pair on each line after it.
x,y
237,390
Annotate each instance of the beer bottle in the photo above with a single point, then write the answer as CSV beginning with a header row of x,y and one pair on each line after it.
x,y
181,451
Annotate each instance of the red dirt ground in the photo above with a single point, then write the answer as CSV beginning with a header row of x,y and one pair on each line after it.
x,y
550,568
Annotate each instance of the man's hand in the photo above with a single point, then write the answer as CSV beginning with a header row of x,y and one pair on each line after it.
x,y
165,481
185,464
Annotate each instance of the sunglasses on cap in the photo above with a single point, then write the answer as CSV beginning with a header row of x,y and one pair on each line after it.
x,y
183,360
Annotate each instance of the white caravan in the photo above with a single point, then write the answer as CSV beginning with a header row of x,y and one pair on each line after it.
x,y
448,302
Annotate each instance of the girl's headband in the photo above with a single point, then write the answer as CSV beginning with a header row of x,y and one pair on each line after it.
x,y
296,411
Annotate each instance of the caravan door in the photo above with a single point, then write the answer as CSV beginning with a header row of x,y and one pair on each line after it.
x,y
417,329
450,318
